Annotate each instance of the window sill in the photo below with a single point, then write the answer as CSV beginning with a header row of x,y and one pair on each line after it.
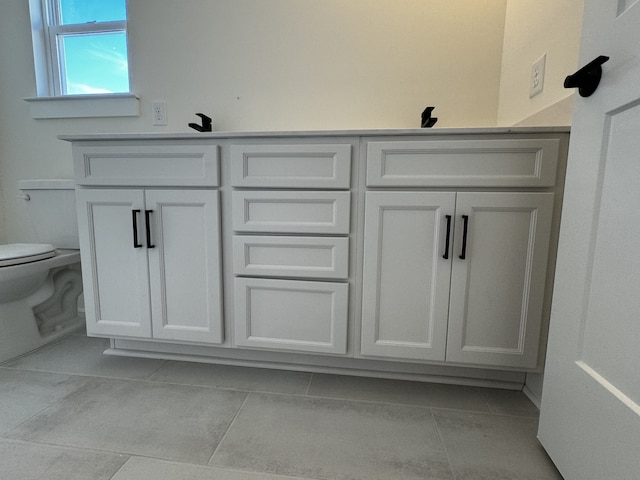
x,y
85,106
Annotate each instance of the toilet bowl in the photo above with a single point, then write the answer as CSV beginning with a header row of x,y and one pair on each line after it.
x,y
40,283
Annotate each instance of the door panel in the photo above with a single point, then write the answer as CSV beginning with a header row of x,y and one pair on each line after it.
x,y
590,415
406,278
184,265
113,306
497,290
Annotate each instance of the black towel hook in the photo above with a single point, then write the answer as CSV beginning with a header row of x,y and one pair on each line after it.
x,y
587,79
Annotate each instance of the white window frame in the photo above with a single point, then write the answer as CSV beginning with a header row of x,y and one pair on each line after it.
x,y
51,100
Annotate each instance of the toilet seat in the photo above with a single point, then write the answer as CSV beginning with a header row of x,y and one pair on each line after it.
x,y
20,253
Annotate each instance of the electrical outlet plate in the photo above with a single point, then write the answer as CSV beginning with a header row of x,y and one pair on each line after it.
x,y
159,112
536,81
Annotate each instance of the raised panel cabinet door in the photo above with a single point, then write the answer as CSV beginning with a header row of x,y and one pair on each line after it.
x,y
497,289
114,268
184,264
294,315
406,275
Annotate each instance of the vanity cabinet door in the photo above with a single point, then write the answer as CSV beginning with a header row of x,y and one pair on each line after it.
x,y
184,264
406,277
483,304
294,315
114,262
497,289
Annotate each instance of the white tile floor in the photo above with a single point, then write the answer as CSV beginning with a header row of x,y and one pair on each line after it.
x,y
68,412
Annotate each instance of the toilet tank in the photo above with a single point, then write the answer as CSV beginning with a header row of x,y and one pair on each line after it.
x,y
51,211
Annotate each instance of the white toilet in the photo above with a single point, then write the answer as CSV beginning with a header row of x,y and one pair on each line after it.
x,y
40,281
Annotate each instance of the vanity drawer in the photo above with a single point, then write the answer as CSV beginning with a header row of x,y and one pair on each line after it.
x,y
291,315
305,257
147,165
463,163
291,212
291,166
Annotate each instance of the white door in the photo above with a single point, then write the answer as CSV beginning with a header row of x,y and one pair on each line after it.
x,y
406,277
497,289
184,264
590,418
114,262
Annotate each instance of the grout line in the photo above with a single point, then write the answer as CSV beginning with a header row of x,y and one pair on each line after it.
x,y
269,392
77,448
45,347
41,411
444,447
257,473
233,420
121,467
485,400
79,374
306,392
155,371
472,412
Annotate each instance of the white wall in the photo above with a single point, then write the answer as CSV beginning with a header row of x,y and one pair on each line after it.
x,y
266,65
533,28
321,64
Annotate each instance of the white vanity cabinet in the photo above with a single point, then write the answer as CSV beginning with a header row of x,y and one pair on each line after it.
x,y
457,276
291,246
419,253
150,256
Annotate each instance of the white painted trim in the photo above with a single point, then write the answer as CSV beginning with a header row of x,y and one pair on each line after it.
x,y
451,380
427,133
85,106
535,399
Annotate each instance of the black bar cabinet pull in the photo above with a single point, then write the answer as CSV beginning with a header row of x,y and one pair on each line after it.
x,y
446,243
463,254
134,218
147,221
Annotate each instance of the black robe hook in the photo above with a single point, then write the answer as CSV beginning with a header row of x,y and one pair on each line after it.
x,y
587,79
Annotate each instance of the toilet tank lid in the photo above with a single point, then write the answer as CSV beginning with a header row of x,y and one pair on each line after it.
x,y
15,251
46,184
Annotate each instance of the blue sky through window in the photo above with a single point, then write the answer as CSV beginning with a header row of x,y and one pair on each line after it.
x,y
95,63
84,11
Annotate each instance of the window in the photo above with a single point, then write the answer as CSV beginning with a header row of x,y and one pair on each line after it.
x,y
80,46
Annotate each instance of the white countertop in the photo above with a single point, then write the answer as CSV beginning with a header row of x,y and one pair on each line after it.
x,y
314,133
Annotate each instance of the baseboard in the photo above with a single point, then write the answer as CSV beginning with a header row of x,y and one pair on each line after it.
x,y
435,377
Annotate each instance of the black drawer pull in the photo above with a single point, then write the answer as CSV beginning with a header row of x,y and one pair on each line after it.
x,y
134,218
147,220
446,243
463,254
